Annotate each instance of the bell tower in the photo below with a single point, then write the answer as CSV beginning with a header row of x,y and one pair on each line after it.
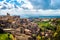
x,y
8,14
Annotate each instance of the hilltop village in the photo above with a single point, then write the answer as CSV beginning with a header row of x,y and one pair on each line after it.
x,y
28,29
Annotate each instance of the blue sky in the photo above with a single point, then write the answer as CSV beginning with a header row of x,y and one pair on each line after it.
x,y
46,4
38,4
29,7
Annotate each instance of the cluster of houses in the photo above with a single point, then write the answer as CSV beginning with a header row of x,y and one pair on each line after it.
x,y
22,26
17,26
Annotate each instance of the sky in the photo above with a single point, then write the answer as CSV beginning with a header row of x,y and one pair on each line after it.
x,y
27,8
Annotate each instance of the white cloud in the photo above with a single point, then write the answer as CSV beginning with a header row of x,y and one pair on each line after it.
x,y
7,5
28,13
27,5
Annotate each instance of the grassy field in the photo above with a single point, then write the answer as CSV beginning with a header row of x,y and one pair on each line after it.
x,y
50,26
46,25
43,24
4,36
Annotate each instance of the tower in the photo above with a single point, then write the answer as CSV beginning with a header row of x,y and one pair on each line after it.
x,y
8,14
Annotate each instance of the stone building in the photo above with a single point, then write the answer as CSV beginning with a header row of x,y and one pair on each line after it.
x,y
10,20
